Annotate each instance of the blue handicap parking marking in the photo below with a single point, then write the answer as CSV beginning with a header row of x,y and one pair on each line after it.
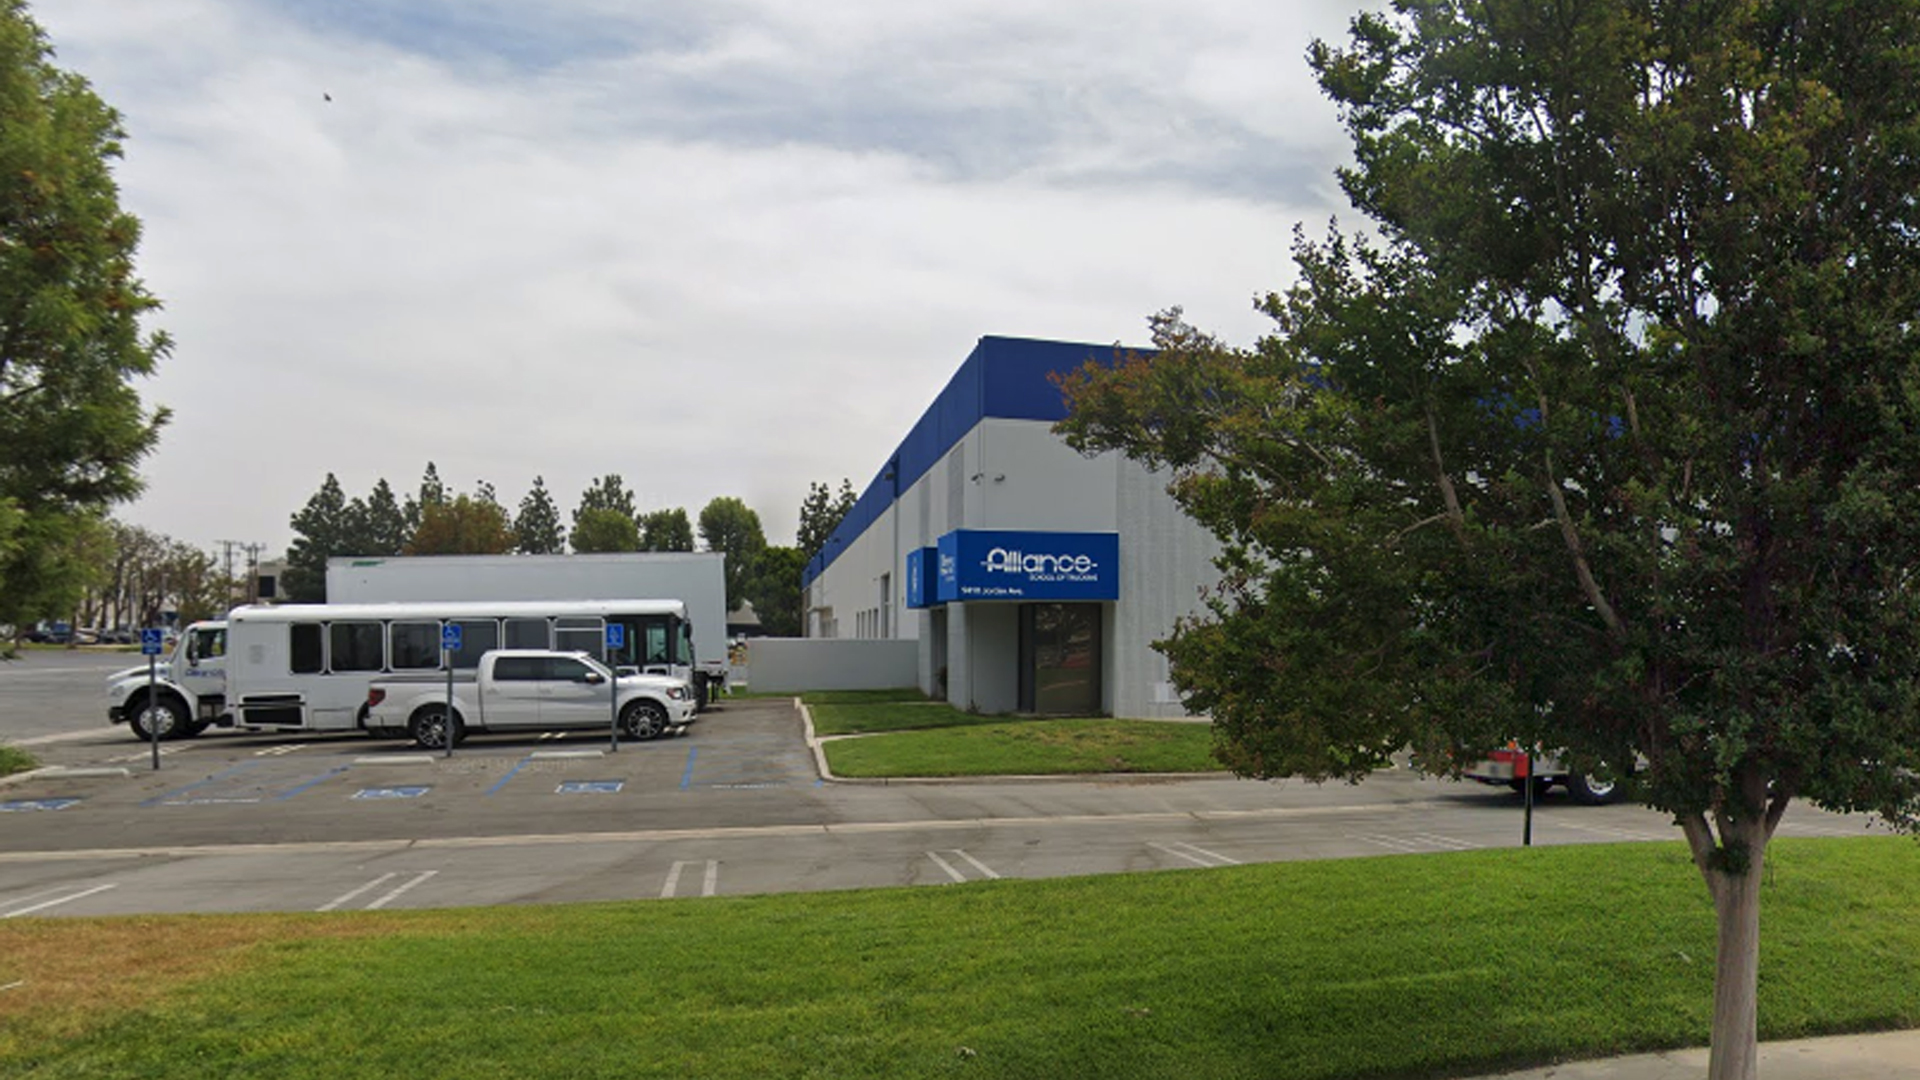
x,y
25,805
391,792
592,787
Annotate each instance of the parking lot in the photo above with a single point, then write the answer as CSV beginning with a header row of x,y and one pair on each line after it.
x,y
286,822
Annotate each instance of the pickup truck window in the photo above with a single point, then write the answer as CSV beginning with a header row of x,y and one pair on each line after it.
x,y
518,669
304,648
357,646
415,645
567,669
527,634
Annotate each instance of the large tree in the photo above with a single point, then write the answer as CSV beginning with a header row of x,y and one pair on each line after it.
x,y
536,528
729,526
464,525
72,428
1609,441
666,530
322,529
774,589
820,514
599,529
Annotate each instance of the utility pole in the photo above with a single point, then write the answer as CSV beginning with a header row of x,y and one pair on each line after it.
x,y
253,572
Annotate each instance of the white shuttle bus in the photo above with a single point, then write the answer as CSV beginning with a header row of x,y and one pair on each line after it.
x,y
306,667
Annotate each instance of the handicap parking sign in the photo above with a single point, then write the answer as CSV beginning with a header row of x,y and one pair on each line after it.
x,y
616,635
450,637
152,640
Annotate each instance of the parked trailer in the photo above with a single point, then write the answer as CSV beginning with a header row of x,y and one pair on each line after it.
x,y
307,667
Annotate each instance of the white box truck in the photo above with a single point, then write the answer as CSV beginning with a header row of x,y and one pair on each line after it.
x,y
695,578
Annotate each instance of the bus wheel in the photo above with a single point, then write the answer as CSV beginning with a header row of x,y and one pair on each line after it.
x,y
644,720
429,727
165,716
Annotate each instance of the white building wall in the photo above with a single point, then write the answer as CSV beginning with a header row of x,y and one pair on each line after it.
x,y
1166,558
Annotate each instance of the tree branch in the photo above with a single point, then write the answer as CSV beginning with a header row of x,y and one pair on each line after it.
x,y
1700,841
1456,517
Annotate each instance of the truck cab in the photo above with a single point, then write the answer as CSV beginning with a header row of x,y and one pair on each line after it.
x,y
186,693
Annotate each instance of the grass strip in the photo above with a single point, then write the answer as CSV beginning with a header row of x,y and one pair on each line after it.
x,y
1405,967
867,718
1029,748
15,760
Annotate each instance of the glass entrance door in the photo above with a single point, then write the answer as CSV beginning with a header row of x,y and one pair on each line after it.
x,y
1060,671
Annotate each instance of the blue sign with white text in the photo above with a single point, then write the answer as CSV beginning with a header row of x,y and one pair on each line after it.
x,y
152,641
450,637
1006,565
921,586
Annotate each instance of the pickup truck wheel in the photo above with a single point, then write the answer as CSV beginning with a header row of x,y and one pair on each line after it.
x,y
1592,790
643,720
165,716
429,728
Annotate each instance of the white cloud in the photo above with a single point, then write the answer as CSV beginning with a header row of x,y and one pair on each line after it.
x,y
721,249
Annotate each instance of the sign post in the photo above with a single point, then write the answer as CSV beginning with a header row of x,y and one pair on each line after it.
x,y
1523,768
449,644
152,638
616,640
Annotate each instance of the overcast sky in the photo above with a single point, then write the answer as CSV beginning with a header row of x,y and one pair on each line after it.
x,y
720,247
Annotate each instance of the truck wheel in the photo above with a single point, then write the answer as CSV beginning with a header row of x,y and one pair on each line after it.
x,y
643,720
1592,790
164,715
429,728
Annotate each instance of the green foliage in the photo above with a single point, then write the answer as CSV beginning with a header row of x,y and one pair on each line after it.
x,y
666,530
72,428
377,526
820,514
603,529
727,525
774,589
536,528
1611,441
466,525
321,531
607,493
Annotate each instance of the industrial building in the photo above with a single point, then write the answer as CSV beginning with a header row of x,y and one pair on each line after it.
x,y
1034,579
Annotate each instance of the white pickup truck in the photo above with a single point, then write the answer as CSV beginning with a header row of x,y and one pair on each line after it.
x,y
526,690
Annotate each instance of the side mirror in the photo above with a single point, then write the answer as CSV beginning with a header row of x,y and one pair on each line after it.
x,y
594,678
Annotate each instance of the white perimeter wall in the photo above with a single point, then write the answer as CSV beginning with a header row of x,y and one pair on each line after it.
x,y
781,665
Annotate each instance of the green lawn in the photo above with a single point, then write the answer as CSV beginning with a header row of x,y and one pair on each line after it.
x,y
1437,965
1028,748
905,735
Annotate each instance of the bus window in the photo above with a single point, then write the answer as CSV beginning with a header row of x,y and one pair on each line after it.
x,y
355,646
587,635
478,636
304,646
527,634
415,645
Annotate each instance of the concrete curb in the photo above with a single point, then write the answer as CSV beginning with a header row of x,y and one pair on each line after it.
x,y
62,772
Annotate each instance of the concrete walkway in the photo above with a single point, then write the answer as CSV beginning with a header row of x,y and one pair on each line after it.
x,y
1893,1055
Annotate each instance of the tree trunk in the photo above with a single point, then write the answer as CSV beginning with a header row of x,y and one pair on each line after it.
x,y
1736,983
1733,871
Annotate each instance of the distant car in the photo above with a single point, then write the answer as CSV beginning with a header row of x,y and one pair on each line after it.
x,y
51,634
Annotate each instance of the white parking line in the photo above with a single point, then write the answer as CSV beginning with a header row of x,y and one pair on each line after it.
x,y
1391,843
147,755
57,901
397,893
279,751
708,887
1198,856
1617,834
355,894
956,875
1444,841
